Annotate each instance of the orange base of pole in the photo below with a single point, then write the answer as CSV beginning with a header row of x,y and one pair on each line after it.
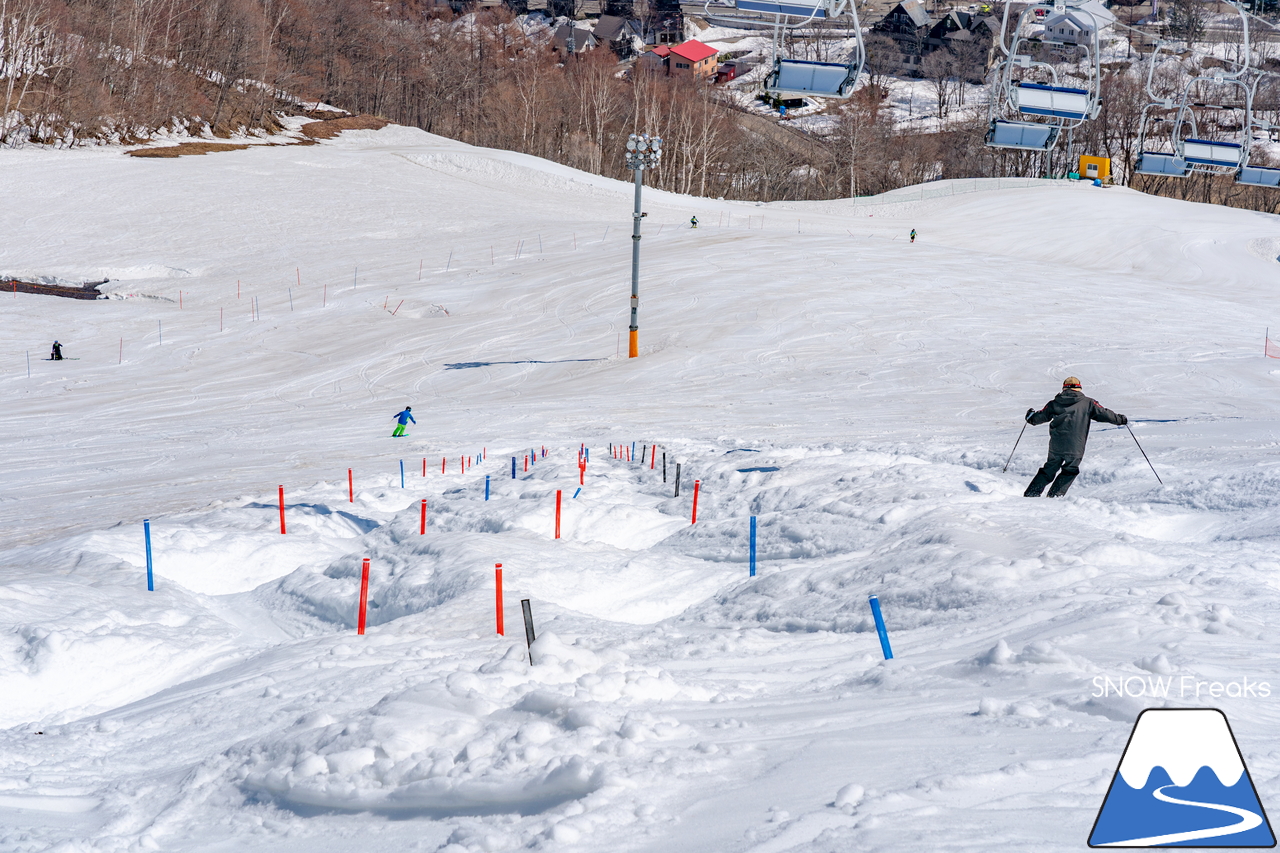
x,y
633,345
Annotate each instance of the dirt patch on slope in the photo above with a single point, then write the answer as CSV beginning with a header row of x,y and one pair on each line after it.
x,y
185,148
330,128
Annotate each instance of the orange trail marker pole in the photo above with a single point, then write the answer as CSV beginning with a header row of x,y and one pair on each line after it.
x,y
497,580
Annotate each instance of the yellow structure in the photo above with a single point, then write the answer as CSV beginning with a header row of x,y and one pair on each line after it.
x,y
1095,167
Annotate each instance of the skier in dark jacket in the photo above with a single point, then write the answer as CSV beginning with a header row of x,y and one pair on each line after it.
x,y
404,417
1068,415
56,353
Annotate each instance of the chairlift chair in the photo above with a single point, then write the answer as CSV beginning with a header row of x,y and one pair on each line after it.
x,y
1030,114
798,78
1190,151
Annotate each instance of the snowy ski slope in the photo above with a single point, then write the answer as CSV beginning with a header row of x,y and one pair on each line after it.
x,y
857,394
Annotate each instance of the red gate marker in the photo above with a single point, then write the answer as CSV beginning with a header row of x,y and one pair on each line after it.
x,y
462,464
557,513
497,579
696,484
351,488
282,510
653,456
582,473
422,529
526,463
364,595
424,466
442,461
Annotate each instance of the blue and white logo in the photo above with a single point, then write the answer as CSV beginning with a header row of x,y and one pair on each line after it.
x,y
1181,783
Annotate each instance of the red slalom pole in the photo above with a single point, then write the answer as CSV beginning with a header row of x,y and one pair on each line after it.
x,y
526,463
582,473
364,595
442,461
351,488
462,464
696,484
424,466
282,510
497,580
653,456
422,528
558,513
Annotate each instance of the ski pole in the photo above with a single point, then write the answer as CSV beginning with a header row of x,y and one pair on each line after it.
x,y
1015,448
1144,454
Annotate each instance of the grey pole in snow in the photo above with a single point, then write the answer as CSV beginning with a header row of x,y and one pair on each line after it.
x,y
643,152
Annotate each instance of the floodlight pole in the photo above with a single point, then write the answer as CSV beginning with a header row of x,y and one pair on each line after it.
x,y
633,334
643,152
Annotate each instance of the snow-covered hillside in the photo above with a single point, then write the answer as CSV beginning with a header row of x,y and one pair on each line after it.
x,y
856,393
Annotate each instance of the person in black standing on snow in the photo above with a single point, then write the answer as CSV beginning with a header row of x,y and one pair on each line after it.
x,y
56,355
1068,416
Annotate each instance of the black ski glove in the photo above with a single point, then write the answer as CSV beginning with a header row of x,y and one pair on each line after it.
x,y
1124,420
1027,416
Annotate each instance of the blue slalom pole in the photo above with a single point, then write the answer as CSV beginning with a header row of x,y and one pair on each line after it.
x,y
586,454
633,451
753,546
578,492
486,487
146,534
513,467
884,635
402,473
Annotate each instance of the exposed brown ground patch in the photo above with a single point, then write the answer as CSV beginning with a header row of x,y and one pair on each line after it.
x,y
185,148
332,127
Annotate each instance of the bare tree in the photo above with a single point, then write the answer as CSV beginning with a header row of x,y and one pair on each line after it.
x,y
939,68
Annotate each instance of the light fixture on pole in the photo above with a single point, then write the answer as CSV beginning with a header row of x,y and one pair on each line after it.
x,y
643,152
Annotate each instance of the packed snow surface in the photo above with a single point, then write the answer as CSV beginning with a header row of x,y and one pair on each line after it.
x,y
803,364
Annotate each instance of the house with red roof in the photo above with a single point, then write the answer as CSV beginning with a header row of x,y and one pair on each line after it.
x,y
691,57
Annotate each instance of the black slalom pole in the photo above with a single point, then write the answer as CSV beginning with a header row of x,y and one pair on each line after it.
x,y
1015,448
1144,454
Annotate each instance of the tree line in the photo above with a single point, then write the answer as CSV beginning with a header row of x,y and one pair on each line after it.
x,y
73,71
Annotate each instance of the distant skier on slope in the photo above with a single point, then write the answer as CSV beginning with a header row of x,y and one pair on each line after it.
x,y
1068,415
405,417
56,354
913,235
693,222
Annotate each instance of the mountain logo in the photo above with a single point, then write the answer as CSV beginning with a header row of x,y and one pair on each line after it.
x,y
1181,783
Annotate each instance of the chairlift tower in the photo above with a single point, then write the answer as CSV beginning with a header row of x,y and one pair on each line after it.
x,y
643,152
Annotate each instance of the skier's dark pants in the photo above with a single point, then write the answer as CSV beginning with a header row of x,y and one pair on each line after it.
x,y
1070,466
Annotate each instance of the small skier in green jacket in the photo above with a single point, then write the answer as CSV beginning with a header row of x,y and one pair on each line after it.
x,y
405,417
